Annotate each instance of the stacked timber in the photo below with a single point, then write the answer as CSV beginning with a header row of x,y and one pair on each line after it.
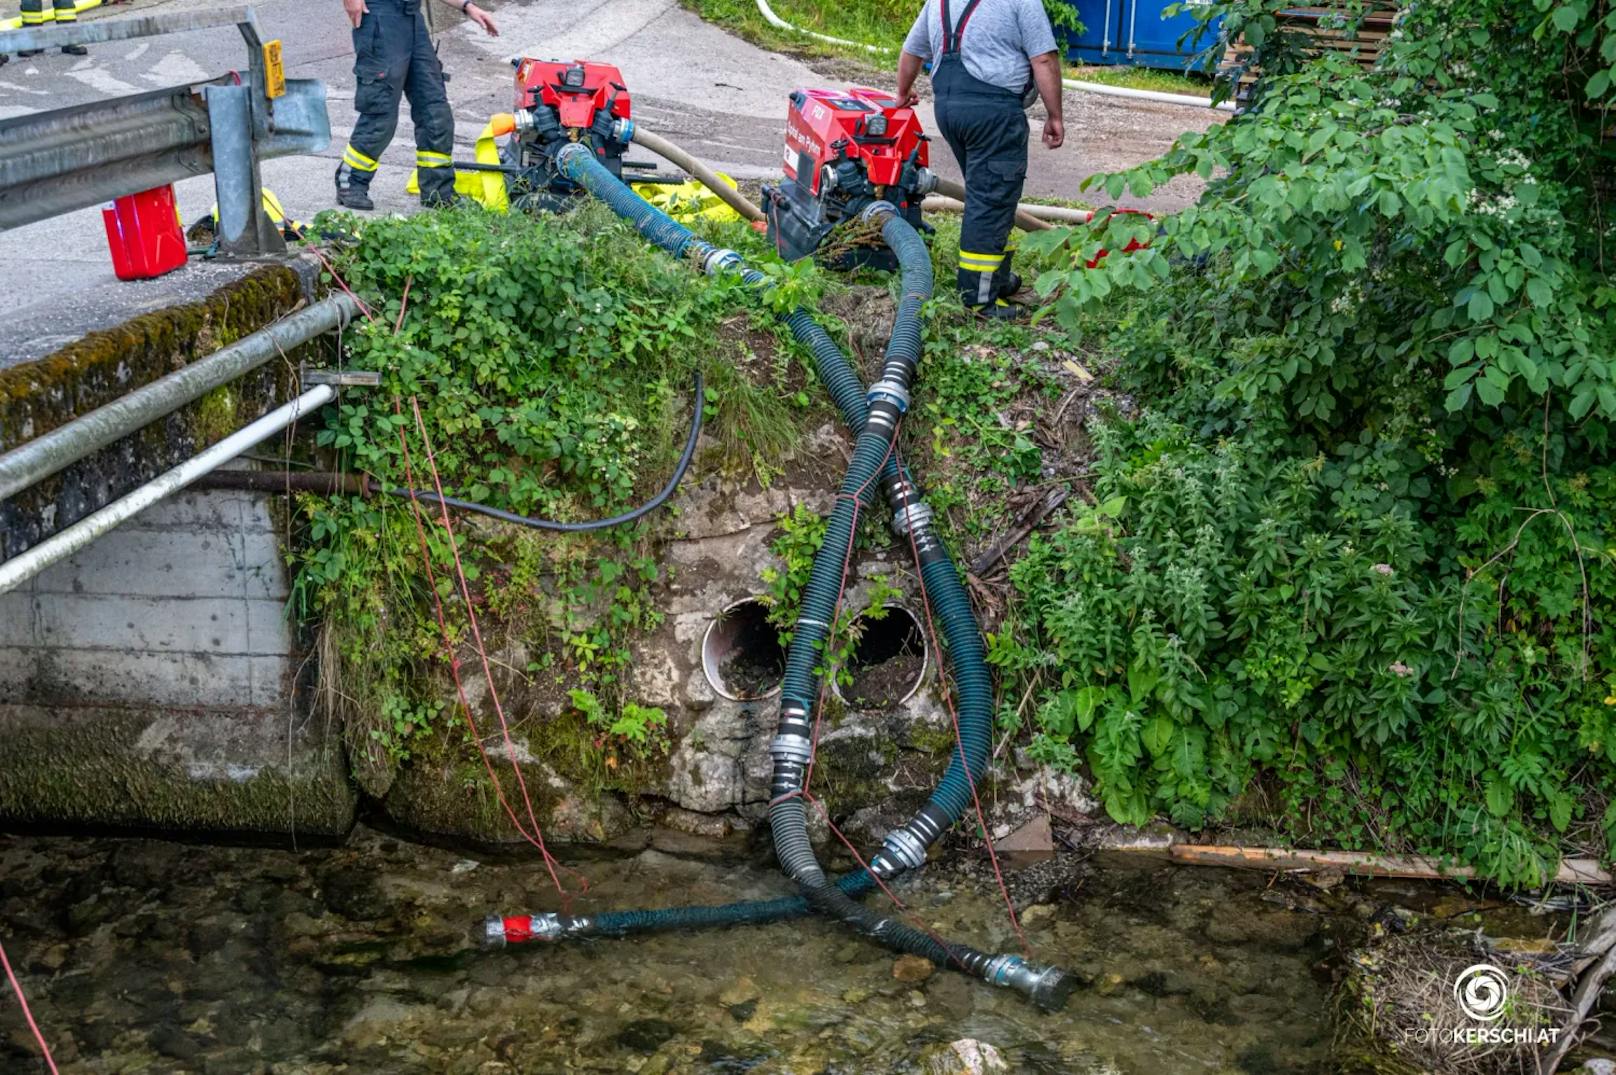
x,y
1320,30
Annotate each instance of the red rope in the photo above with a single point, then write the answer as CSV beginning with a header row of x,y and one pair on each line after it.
x,y
332,269
536,836
959,741
22,1001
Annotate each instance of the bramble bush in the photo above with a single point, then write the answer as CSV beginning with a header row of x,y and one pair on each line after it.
x,y
1359,551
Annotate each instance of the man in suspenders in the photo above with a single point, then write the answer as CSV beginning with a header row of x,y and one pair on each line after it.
x,y
990,59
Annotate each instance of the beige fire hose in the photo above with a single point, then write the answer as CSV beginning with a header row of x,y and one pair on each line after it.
x,y
956,191
709,178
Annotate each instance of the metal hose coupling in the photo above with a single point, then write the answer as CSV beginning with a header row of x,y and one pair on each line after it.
x,y
500,930
878,209
720,261
1048,987
904,849
892,390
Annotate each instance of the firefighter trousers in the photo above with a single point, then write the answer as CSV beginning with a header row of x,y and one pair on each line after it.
x,y
986,129
394,58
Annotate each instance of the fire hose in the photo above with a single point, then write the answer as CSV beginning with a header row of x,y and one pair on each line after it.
x,y
874,417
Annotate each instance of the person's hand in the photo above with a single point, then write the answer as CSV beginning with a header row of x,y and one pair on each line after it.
x,y
483,19
356,10
1054,132
908,100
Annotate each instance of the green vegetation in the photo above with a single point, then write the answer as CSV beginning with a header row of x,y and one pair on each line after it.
x,y
551,361
873,22
1354,566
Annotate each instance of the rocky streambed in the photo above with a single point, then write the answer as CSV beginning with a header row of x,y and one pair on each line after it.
x,y
157,956
153,956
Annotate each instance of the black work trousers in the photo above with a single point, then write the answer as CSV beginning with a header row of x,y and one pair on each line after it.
x,y
987,132
393,58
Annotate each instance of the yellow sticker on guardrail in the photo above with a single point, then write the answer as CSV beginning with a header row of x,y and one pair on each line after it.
x,y
274,70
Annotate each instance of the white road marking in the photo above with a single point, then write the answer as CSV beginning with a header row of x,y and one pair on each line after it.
x,y
103,81
176,69
17,87
137,53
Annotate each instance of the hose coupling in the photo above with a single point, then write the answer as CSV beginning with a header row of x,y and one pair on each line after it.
x,y
623,131
892,390
791,748
519,929
911,517
904,849
878,209
1047,986
569,152
720,260
925,181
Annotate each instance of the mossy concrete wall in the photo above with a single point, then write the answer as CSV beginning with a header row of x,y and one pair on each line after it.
x,y
709,773
38,396
154,680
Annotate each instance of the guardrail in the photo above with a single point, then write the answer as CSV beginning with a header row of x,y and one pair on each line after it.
x,y
73,158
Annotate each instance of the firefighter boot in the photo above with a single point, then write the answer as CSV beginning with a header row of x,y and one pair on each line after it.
x,y
352,191
978,291
1005,282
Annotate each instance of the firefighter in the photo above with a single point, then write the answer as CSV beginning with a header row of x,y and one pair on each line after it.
x,y
990,59
394,56
41,12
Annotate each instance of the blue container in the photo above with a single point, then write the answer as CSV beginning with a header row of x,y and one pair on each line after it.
x,y
1135,32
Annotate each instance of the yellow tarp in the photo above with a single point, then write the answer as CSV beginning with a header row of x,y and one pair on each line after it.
x,y
688,200
485,188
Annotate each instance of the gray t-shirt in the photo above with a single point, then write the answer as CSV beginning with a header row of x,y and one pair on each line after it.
x,y
998,41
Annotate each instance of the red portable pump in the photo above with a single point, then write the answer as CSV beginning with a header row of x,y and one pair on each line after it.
x,y
557,104
845,150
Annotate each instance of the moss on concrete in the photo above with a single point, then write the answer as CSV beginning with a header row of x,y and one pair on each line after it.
x,y
121,768
37,397
578,792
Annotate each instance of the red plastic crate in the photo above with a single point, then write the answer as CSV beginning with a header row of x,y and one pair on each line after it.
x,y
143,232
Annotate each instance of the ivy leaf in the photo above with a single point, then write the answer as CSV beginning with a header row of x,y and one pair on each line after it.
x,y
1566,18
1480,307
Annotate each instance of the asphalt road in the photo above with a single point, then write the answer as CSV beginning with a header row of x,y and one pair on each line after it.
x,y
719,97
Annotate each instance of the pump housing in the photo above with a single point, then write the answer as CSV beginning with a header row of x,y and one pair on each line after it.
x,y
844,150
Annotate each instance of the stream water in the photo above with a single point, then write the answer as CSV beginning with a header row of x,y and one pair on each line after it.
x,y
154,956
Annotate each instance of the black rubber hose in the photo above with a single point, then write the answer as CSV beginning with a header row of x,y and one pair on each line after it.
x,y
685,459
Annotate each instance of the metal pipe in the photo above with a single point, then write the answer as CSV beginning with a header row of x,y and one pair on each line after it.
x,y
43,456
59,546
337,483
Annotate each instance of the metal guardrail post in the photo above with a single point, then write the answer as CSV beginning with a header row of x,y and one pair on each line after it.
x,y
243,226
73,158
